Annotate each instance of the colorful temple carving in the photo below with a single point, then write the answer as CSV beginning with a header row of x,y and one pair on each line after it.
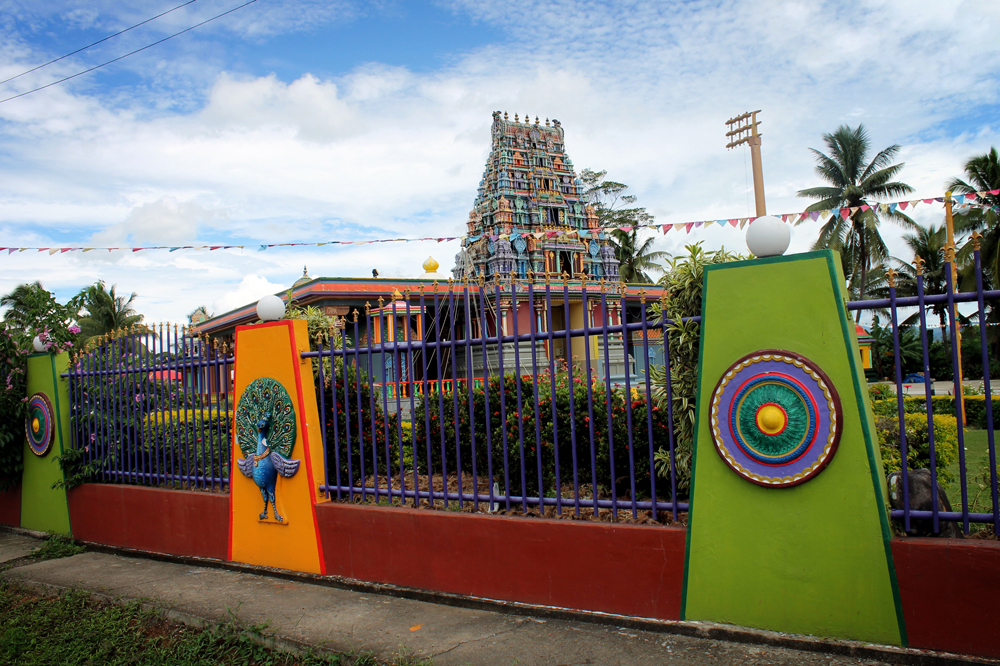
x,y
529,187
523,269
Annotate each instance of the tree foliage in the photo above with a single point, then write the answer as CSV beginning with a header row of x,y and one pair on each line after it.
x,y
615,209
104,310
855,182
683,283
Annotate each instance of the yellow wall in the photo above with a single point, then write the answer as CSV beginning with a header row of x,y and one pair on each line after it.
x,y
273,350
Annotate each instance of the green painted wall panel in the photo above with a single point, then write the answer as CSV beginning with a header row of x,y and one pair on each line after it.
x,y
814,558
42,507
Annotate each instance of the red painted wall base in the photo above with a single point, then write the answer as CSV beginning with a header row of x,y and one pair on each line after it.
x,y
949,589
10,507
628,569
174,522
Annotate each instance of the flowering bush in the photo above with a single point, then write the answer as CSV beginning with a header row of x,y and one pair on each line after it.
x,y
13,407
533,438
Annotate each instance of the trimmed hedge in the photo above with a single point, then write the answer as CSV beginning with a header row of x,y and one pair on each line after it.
x,y
975,407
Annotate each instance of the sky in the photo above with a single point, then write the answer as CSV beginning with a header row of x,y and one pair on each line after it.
x,y
311,120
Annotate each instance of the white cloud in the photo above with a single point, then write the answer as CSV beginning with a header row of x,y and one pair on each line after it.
x,y
250,289
642,89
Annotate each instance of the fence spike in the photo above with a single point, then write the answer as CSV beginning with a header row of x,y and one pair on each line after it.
x,y
891,277
355,315
642,295
976,239
565,278
604,285
548,278
381,301
368,308
919,263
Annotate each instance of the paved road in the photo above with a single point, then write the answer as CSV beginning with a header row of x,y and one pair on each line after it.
x,y
318,615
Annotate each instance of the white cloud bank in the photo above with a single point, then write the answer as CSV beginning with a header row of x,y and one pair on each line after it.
x,y
642,89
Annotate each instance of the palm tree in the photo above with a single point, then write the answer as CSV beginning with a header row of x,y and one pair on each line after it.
x,y
106,311
983,174
635,258
853,183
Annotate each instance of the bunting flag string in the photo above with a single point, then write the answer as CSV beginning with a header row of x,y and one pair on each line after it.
x,y
965,202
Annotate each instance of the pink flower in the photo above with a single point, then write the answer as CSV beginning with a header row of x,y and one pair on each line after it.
x,y
74,329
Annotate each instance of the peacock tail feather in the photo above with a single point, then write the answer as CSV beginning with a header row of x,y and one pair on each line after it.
x,y
265,396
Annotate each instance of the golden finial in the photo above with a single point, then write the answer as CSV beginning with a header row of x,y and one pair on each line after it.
x,y
531,276
380,302
604,284
421,288
976,238
642,295
435,285
565,278
583,280
949,253
891,276
548,278
225,348
919,263
355,315
368,308
406,294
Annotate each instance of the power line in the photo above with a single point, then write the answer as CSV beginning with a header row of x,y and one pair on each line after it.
x,y
103,64
121,32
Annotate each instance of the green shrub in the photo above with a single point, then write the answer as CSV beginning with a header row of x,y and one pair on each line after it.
x,y
543,436
975,407
917,443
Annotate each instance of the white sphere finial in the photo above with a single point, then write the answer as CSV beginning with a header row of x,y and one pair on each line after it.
x,y
768,237
37,344
270,308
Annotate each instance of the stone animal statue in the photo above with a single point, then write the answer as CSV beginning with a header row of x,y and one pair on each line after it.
x,y
265,466
919,483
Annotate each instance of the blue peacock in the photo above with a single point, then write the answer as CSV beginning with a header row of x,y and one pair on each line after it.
x,y
265,431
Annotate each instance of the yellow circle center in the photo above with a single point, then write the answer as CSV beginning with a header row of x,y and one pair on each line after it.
x,y
35,425
771,419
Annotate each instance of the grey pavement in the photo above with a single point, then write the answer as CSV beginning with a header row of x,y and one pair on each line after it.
x,y
14,546
308,614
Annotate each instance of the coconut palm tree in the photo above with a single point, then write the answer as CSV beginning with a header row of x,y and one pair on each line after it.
x,y
106,311
635,257
927,244
855,182
982,173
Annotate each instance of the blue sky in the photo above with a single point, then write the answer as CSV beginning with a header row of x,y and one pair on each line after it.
x,y
302,120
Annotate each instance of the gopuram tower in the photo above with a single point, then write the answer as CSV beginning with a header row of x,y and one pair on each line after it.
x,y
530,215
535,250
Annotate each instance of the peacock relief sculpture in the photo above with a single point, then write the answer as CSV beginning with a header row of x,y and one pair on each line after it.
x,y
265,431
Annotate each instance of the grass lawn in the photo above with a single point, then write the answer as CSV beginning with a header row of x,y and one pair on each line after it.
x,y
73,629
976,460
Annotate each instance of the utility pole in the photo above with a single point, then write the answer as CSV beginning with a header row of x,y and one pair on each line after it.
x,y
743,129
950,254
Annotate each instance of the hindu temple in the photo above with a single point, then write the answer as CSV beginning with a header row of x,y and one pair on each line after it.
x,y
533,246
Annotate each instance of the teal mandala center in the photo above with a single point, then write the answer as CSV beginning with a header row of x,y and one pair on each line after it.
x,y
793,408
775,418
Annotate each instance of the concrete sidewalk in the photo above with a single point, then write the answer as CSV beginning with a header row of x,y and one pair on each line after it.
x,y
306,613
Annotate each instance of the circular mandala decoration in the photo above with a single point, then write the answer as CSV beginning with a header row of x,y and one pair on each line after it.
x,y
265,396
39,426
775,418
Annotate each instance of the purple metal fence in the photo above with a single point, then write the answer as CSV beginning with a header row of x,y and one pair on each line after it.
x,y
151,406
540,428
544,430
988,477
